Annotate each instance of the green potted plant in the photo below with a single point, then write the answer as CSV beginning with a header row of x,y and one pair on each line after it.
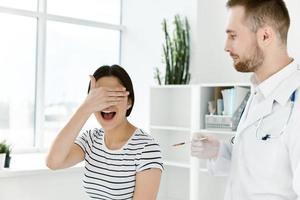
x,y
5,150
2,155
176,53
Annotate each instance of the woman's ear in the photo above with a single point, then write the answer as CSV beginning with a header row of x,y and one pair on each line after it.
x,y
129,103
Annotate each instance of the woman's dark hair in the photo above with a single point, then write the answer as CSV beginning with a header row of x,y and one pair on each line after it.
x,y
120,73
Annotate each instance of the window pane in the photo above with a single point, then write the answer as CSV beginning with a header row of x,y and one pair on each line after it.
x,y
20,4
107,11
73,52
17,79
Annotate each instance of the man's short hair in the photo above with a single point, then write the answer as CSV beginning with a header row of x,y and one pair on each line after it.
x,y
259,13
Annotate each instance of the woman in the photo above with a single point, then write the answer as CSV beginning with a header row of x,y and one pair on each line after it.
x,y
121,161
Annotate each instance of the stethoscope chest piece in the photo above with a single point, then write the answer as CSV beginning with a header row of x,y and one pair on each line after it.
x,y
265,136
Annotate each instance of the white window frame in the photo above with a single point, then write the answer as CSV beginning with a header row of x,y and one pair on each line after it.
x,y
42,18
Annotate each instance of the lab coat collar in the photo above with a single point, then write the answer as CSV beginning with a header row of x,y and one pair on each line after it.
x,y
286,88
268,86
280,92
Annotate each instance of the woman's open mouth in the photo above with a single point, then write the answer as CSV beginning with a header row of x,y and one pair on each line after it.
x,y
107,115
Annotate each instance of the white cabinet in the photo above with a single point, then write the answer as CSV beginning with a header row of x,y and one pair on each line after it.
x,y
176,112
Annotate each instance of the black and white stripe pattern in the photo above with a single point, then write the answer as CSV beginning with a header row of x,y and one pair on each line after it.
x,y
111,174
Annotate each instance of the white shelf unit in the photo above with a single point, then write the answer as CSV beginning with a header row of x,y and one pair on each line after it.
x,y
170,123
176,112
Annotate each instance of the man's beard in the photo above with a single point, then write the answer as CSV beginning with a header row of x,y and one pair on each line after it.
x,y
252,63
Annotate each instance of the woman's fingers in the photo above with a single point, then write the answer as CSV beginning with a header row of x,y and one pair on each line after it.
x,y
121,89
118,93
116,99
111,92
100,98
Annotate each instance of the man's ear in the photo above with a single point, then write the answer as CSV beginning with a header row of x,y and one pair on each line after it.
x,y
265,36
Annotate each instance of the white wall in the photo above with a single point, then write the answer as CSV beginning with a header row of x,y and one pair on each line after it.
x,y
294,33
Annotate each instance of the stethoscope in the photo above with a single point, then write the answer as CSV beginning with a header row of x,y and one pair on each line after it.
x,y
259,131
260,135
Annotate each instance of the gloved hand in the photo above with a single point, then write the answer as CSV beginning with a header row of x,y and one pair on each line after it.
x,y
204,148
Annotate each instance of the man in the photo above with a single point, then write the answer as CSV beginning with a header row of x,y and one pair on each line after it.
x,y
263,163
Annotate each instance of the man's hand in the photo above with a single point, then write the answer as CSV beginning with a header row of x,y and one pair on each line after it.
x,y
204,148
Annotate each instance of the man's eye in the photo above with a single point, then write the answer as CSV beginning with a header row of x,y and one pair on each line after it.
x,y
232,36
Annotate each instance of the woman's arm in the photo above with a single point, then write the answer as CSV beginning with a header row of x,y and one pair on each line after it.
x,y
147,184
64,152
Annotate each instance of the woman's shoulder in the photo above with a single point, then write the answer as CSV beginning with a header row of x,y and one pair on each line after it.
x,y
150,156
144,138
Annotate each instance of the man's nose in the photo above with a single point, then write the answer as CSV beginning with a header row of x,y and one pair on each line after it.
x,y
226,47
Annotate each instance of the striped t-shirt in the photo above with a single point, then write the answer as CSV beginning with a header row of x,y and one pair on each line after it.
x,y
110,174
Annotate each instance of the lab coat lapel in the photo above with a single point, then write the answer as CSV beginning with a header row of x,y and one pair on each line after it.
x,y
243,118
262,110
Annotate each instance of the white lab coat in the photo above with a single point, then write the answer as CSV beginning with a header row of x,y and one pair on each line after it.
x,y
265,169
